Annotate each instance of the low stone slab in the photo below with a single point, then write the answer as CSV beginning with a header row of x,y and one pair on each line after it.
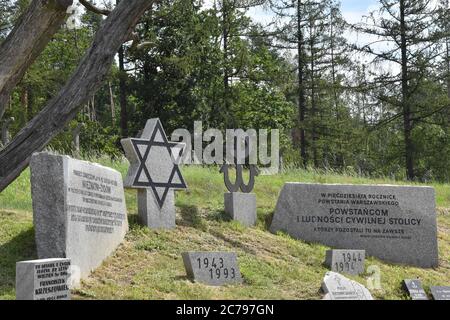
x,y
440,293
45,279
337,287
346,261
79,210
394,223
212,268
414,289
241,207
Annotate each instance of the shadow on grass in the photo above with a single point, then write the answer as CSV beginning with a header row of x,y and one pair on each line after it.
x,y
191,217
267,220
233,243
20,248
133,221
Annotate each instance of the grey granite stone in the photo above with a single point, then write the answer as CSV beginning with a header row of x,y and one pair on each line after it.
x,y
46,279
346,261
154,171
338,287
414,289
212,268
241,207
440,293
394,223
151,215
79,210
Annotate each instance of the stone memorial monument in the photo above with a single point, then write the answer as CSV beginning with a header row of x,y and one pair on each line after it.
x,y
394,223
154,171
79,210
212,268
440,293
414,289
338,287
240,206
346,261
46,279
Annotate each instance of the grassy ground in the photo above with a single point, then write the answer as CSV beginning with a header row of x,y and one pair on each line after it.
x,y
148,264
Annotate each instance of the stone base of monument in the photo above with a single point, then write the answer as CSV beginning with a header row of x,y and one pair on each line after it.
x,y
151,215
241,207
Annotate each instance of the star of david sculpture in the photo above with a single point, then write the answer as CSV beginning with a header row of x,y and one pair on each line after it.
x,y
154,171
240,206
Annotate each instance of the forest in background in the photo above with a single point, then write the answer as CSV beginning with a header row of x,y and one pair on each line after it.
x,y
378,109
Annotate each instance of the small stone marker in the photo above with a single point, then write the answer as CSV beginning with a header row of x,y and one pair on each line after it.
x,y
45,279
154,171
240,206
346,261
414,289
440,293
393,223
79,210
338,287
212,268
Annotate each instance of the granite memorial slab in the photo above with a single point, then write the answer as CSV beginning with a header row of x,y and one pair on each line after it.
x,y
46,279
212,268
414,289
79,210
394,223
337,287
346,261
155,172
440,293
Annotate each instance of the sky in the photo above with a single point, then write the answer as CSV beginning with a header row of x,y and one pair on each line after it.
x,y
352,10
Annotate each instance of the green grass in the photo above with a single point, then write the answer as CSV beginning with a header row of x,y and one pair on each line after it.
x,y
148,264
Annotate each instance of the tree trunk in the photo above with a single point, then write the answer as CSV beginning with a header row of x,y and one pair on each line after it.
x,y
113,106
340,155
26,41
447,45
406,109
301,88
5,131
123,94
226,73
87,78
313,107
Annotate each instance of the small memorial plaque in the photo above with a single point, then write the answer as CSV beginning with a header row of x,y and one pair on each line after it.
x,y
212,268
346,261
415,290
338,287
45,279
440,293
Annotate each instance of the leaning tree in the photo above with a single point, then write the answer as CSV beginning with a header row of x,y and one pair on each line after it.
x,y
23,45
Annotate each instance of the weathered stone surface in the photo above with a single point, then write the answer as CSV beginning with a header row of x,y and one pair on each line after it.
x,y
151,215
414,289
440,293
79,210
212,268
338,287
46,279
394,223
241,207
346,261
